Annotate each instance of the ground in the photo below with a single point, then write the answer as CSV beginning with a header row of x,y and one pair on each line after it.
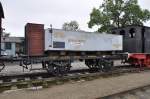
x,y
84,89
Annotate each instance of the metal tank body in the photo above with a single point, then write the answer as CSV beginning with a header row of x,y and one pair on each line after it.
x,y
81,41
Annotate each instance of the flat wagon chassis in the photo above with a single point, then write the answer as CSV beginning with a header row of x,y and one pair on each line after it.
x,y
62,64
59,65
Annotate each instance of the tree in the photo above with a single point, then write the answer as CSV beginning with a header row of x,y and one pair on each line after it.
x,y
117,13
73,25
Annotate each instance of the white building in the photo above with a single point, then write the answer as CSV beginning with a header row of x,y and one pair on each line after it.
x,y
12,45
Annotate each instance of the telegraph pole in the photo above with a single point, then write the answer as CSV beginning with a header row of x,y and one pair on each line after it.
x,y
1,16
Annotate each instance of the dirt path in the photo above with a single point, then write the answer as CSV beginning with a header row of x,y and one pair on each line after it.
x,y
84,90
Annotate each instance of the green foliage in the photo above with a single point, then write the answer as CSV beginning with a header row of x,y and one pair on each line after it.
x,y
117,13
73,25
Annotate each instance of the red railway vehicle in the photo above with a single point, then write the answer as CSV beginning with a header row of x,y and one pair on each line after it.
x,y
139,59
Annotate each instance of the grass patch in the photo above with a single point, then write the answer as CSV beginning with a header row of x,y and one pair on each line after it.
x,y
37,83
75,79
50,83
22,85
4,88
45,84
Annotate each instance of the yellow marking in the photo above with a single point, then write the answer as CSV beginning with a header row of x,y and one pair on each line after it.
x,y
116,45
59,34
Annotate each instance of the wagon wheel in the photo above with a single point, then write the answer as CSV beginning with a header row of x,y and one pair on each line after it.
x,y
65,67
54,69
89,64
93,64
106,65
58,68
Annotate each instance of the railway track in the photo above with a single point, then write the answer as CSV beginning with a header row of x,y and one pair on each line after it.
x,y
142,92
44,80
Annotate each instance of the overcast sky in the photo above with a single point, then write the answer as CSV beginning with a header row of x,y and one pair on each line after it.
x,y
55,12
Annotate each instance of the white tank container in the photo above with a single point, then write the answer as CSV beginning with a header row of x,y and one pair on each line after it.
x,y
81,41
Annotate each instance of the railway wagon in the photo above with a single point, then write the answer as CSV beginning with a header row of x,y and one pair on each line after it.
x,y
59,47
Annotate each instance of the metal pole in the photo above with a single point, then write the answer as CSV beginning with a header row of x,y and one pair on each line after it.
x,y
1,16
0,34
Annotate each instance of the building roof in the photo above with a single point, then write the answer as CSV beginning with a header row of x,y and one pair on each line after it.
x,y
13,39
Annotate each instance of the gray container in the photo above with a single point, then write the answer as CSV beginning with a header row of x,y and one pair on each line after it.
x,y
81,41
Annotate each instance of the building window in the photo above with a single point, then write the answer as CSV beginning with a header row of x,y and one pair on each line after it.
x,y
8,46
